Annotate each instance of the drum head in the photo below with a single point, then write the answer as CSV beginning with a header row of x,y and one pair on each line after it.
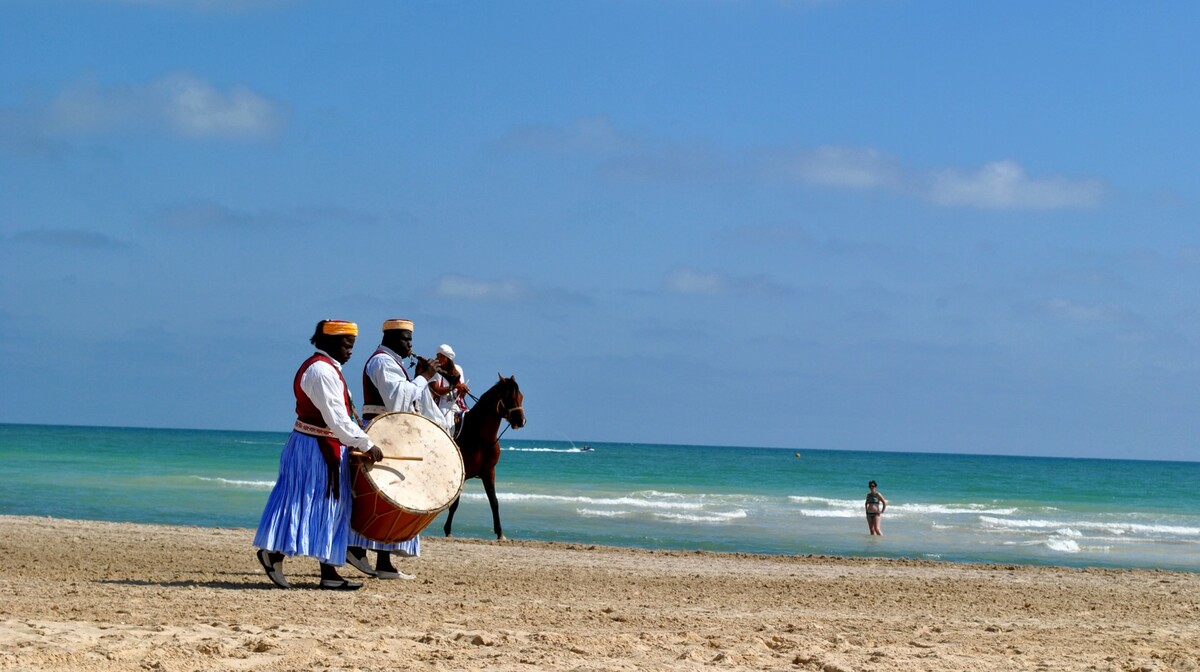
x,y
426,485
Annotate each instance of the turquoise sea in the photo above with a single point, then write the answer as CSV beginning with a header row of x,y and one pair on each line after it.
x,y
962,508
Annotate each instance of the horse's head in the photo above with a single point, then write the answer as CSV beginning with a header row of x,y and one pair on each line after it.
x,y
511,399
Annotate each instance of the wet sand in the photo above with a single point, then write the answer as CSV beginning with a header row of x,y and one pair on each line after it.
x,y
78,595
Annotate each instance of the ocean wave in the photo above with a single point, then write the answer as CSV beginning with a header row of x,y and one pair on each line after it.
x,y
1114,528
1052,543
594,501
953,509
702,496
836,503
1062,545
656,505
715,517
546,450
601,513
262,485
914,508
830,513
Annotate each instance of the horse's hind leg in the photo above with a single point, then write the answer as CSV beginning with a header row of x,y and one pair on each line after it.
x,y
450,516
489,486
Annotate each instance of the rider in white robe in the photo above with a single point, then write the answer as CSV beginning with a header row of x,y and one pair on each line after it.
x,y
449,389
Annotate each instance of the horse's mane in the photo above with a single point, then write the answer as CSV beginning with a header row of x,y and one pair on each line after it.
x,y
494,391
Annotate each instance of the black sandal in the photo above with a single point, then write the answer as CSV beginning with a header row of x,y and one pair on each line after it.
x,y
339,584
274,571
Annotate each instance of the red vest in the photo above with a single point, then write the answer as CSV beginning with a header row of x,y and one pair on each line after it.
x,y
371,394
308,413
306,410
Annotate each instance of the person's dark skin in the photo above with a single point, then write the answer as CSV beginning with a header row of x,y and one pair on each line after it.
x,y
338,347
399,341
343,349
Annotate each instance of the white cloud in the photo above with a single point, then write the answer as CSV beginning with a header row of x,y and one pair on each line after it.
x,y
708,283
471,289
506,291
851,167
695,282
178,103
1004,185
996,185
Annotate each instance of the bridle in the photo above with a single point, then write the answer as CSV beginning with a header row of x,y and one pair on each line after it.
x,y
504,411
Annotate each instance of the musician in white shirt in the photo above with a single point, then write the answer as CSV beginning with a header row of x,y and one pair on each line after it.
x,y
387,387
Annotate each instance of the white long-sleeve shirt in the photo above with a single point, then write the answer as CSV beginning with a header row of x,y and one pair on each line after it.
x,y
449,403
325,388
398,392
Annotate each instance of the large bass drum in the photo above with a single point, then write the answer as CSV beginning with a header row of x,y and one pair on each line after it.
x,y
420,475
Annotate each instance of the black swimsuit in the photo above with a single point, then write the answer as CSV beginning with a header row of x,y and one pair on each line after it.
x,y
872,500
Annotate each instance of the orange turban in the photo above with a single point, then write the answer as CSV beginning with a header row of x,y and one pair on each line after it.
x,y
339,328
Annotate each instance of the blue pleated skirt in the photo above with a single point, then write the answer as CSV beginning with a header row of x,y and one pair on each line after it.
x,y
409,549
299,519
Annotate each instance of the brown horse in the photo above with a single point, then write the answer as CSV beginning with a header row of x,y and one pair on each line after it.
x,y
479,441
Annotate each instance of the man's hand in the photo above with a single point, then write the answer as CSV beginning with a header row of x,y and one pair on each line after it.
x,y
374,455
425,368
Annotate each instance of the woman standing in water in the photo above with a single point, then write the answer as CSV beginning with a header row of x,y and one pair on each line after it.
x,y
876,505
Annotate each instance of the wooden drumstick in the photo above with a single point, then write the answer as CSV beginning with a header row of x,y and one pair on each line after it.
x,y
412,458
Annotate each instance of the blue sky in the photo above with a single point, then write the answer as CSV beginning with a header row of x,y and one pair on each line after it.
x,y
861,224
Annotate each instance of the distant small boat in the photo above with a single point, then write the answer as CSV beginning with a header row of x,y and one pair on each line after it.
x,y
586,449
797,454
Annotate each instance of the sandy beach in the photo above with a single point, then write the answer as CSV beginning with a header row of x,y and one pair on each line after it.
x,y
103,596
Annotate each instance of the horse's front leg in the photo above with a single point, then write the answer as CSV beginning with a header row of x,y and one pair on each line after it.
x,y
450,515
489,486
